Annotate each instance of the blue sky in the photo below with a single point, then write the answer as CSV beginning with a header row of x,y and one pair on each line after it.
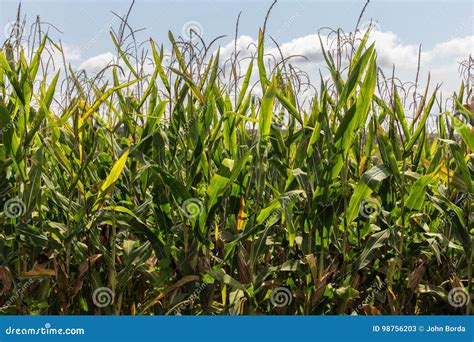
x,y
445,28
419,21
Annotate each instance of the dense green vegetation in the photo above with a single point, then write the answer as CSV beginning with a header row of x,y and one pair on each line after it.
x,y
184,192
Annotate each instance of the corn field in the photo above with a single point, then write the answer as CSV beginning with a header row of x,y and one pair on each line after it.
x,y
220,187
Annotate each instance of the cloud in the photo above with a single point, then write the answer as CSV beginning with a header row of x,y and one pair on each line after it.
x,y
308,46
454,48
54,56
441,60
391,51
95,64
246,46
71,53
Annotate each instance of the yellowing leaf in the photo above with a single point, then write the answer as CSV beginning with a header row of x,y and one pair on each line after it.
x,y
242,215
103,98
113,177
38,272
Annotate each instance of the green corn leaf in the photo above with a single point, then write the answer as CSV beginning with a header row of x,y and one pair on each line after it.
x,y
374,242
416,197
421,125
266,110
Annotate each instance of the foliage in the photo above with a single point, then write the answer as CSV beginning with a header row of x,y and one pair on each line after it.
x,y
149,183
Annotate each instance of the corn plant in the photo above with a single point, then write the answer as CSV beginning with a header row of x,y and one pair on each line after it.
x,y
147,185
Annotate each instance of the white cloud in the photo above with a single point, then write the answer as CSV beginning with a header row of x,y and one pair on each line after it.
x,y
95,64
454,48
441,60
71,53
246,46
308,46
390,51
